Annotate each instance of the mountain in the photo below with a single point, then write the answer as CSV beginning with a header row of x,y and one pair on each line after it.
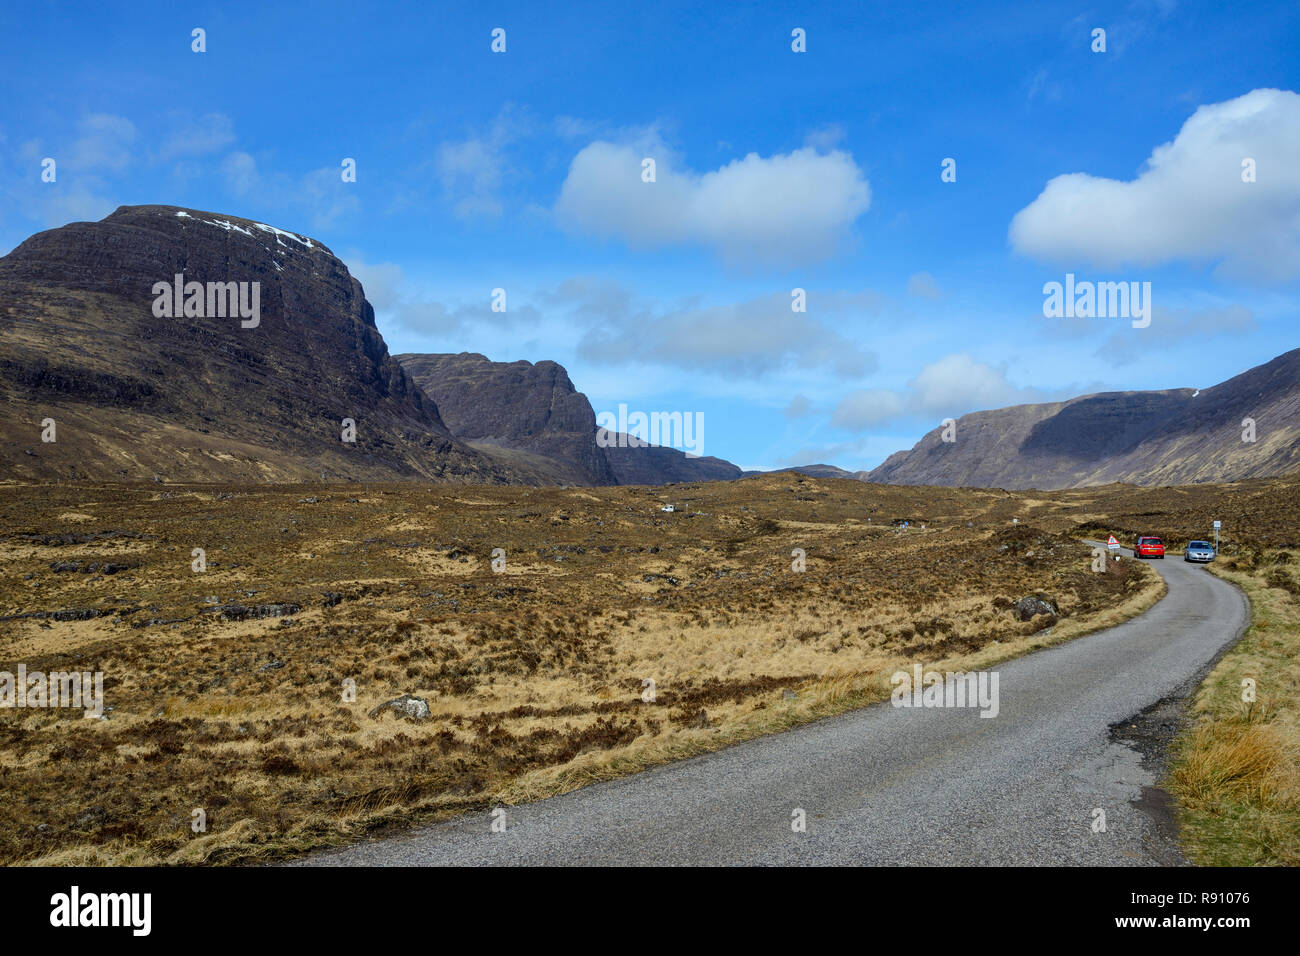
x,y
531,415
821,471
815,471
91,336
641,464
1179,436
521,406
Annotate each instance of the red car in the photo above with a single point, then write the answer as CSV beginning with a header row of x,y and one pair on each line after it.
x,y
1149,546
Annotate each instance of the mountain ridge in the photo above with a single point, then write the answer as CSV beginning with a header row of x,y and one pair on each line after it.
x,y
200,397
1164,436
532,408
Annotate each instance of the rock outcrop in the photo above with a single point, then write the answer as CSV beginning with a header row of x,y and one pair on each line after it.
x,y
655,465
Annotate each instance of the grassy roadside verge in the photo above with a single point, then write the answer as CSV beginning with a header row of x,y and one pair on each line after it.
x,y
1236,767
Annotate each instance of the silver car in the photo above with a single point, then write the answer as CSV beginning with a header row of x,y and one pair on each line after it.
x,y
1201,551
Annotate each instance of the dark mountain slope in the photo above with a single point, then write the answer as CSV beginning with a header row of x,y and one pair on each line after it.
x,y
134,394
519,405
1180,436
517,411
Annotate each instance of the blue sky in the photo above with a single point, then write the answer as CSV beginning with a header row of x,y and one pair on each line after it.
x,y
775,170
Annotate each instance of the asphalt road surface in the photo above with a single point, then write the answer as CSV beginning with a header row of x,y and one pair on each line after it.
x,y
895,785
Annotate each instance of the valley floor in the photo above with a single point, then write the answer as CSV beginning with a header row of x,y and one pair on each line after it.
x,y
247,691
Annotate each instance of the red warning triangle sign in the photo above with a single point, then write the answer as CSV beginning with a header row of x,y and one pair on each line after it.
x,y
1112,543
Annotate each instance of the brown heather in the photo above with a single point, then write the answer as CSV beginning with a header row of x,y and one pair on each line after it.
x,y
533,675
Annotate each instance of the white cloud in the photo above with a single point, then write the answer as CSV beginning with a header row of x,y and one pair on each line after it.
x,y
866,408
789,208
923,286
471,176
592,300
959,382
573,127
826,138
407,305
197,137
325,198
99,146
1189,202
320,195
1042,85
473,171
240,172
105,142
608,325
800,406
1169,326
950,387
746,338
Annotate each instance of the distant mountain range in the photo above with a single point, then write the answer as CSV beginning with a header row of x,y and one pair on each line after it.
x,y
1179,436
819,471
132,343
123,342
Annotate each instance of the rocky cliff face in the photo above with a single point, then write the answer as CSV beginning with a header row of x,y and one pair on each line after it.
x,y
515,405
522,412
653,465
1180,436
85,340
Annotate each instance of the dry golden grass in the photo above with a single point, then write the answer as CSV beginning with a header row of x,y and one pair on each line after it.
x,y
1237,772
833,692
533,676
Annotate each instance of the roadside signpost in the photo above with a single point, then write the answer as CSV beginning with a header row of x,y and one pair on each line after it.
x,y
1112,543
1217,524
